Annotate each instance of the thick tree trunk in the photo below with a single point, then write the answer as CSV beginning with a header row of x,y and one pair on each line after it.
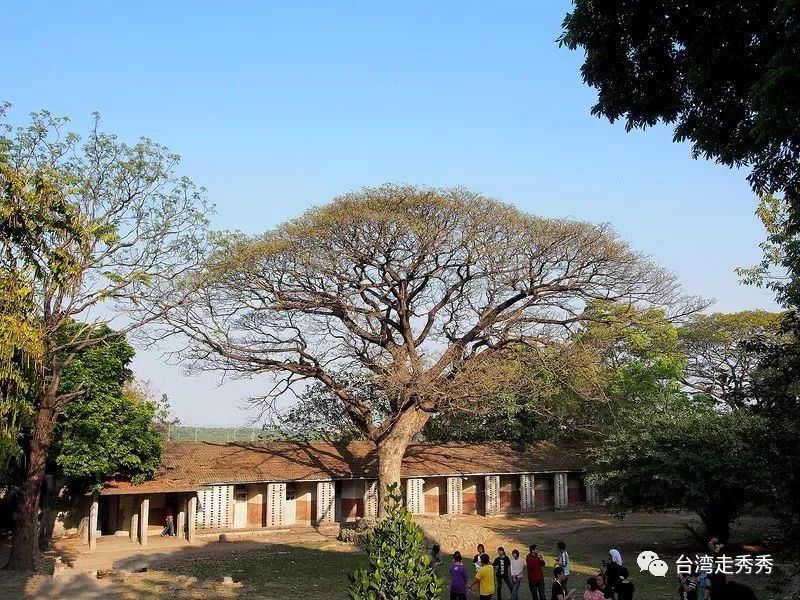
x,y
26,518
716,519
392,447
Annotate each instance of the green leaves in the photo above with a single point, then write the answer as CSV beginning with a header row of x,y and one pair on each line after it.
x,y
398,565
107,431
685,456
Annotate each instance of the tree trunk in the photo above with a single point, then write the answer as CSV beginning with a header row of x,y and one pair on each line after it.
x,y
716,518
392,447
26,516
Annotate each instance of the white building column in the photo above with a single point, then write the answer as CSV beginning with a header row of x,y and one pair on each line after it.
x,y
527,496
415,501
592,495
93,510
192,518
455,495
560,490
492,491
134,532
144,514
326,502
371,498
276,495
180,521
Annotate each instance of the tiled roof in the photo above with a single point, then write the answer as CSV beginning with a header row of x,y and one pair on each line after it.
x,y
186,466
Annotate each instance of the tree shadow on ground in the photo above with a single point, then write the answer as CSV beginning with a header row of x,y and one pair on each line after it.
x,y
261,570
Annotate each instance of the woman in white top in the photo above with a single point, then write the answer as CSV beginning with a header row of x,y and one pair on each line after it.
x,y
517,572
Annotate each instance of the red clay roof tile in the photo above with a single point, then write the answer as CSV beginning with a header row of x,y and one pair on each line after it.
x,y
187,466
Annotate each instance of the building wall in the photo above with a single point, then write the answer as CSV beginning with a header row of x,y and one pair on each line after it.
x,y
435,491
472,497
509,494
256,505
304,503
215,507
543,491
352,500
576,492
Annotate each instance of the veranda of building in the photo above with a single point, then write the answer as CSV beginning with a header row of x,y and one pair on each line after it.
x,y
251,486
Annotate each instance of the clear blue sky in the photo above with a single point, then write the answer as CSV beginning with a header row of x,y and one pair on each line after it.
x,y
275,106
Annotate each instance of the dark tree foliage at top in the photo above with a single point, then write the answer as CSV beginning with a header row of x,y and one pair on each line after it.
x,y
725,74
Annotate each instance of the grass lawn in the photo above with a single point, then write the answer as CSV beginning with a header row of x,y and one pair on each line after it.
x,y
307,571
318,569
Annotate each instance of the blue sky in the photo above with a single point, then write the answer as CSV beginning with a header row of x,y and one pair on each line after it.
x,y
275,106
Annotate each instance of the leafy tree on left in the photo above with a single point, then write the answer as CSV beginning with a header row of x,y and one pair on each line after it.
x,y
92,230
108,431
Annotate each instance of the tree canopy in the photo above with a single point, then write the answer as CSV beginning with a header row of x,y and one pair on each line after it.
x,y
620,356
726,75
412,289
107,431
687,456
721,353
92,230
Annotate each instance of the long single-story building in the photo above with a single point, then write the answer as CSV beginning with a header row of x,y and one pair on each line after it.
x,y
245,486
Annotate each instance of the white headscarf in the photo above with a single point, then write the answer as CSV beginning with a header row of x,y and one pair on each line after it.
x,y
615,556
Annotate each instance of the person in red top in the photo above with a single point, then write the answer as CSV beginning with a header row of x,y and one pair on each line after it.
x,y
535,562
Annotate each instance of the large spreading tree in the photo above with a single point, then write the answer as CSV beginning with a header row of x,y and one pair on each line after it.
x,y
722,353
93,229
411,289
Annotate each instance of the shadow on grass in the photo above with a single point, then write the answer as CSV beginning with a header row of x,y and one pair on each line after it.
x,y
265,570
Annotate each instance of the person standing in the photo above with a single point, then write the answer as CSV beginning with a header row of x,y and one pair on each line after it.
x,y
605,587
535,562
484,579
612,568
563,560
458,578
593,590
703,585
436,555
502,570
476,560
517,570
559,590
623,589
169,526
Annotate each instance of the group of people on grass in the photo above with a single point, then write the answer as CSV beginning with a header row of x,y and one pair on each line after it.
x,y
491,576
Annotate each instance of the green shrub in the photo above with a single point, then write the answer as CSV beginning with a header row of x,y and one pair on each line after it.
x,y
399,567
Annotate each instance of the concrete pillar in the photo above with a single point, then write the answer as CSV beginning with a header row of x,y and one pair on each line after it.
x,y
415,501
144,515
491,488
560,490
592,495
180,522
527,497
191,525
371,498
455,495
93,510
326,502
134,527
276,495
